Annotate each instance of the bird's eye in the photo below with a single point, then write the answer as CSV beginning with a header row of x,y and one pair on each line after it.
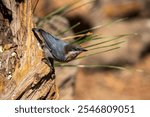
x,y
77,49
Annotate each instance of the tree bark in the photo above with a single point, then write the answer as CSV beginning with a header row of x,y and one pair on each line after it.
x,y
23,74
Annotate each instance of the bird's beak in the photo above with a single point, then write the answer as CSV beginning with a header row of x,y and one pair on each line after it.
x,y
82,49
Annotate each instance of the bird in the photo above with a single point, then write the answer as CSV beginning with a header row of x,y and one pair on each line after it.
x,y
55,48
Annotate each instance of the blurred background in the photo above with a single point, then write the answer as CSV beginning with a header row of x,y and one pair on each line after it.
x,y
130,82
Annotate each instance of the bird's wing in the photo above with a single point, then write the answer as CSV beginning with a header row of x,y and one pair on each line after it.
x,y
54,44
50,41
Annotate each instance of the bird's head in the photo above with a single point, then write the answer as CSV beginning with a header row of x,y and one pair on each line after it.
x,y
72,51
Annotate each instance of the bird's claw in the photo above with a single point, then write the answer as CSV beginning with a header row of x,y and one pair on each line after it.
x,y
51,66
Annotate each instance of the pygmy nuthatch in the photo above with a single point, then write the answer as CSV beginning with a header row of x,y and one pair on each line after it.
x,y
55,48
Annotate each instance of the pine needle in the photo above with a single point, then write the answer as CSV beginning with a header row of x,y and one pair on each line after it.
x,y
105,46
72,27
92,66
100,26
70,10
110,40
75,36
35,6
80,41
97,53
57,11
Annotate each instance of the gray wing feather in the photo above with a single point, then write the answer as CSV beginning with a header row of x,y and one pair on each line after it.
x,y
55,45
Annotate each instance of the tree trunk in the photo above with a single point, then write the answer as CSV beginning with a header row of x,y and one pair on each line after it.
x,y
23,74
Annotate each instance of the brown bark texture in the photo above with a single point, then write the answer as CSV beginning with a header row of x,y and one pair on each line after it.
x,y
23,74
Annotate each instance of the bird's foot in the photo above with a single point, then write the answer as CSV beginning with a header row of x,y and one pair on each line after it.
x,y
51,66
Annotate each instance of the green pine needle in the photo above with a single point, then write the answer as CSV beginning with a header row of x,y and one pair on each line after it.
x,y
80,41
110,40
